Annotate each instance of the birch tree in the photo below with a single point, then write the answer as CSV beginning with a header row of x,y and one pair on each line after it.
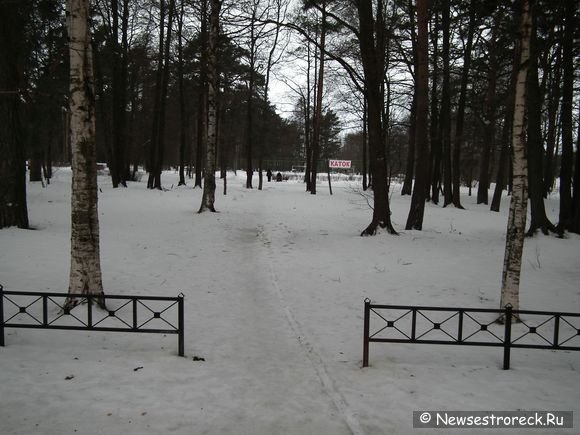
x,y
516,226
209,185
85,269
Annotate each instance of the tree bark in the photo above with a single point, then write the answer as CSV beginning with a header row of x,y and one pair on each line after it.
x,y
489,122
519,201
250,104
154,142
158,140
539,219
209,184
504,165
85,270
434,126
13,205
318,104
307,132
202,103
458,142
119,94
566,212
182,108
575,223
445,118
552,129
417,210
372,50
407,188
364,145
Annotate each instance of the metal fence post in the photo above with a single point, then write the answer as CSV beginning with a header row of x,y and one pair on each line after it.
x,y
134,303
414,323
366,333
556,331
44,310
1,316
507,337
90,310
460,327
181,338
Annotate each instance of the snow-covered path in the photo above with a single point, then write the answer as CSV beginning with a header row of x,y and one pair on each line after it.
x,y
277,383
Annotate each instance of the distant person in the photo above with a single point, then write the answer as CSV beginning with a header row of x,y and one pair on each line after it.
x,y
278,176
269,175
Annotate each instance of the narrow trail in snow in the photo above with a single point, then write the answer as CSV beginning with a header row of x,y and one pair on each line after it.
x,y
329,386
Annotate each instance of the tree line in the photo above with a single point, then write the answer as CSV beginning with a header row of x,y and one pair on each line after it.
x,y
151,59
437,87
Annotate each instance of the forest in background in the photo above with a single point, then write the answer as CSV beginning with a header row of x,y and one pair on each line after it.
x,y
431,97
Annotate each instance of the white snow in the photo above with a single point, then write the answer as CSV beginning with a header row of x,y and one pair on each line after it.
x,y
274,286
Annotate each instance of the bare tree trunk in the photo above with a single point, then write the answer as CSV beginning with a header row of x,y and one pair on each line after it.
x,y
123,154
516,226
209,184
417,209
318,104
489,122
85,270
371,41
35,164
307,137
182,109
552,129
119,93
154,143
158,147
364,146
13,205
504,166
434,127
250,104
407,188
458,143
575,222
566,212
445,118
202,104
539,219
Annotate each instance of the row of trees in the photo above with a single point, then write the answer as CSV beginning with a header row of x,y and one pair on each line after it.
x,y
196,74
457,63
151,91
485,76
90,87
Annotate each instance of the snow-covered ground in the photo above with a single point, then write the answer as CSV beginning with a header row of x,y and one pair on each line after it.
x,y
274,286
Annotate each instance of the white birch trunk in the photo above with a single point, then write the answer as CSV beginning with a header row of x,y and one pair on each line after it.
x,y
209,185
510,289
85,269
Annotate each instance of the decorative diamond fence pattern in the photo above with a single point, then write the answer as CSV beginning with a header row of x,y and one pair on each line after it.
x,y
470,327
144,314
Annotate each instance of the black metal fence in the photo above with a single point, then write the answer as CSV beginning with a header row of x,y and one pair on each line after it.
x,y
470,327
144,314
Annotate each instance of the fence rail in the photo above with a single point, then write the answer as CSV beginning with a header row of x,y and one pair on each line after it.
x,y
470,327
143,314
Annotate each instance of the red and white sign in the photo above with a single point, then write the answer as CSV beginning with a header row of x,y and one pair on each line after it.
x,y
344,164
